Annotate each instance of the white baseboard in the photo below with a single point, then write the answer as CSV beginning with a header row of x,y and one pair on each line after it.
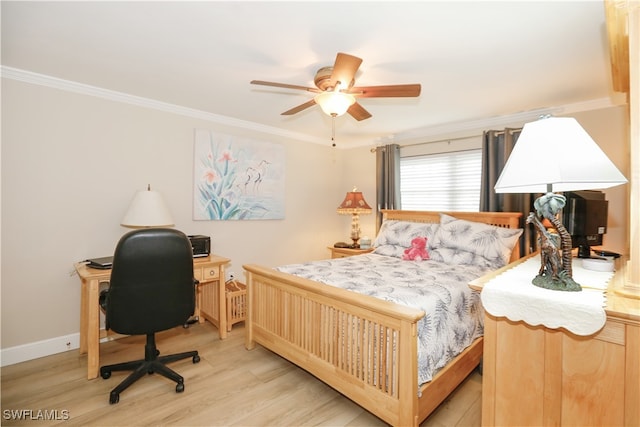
x,y
35,350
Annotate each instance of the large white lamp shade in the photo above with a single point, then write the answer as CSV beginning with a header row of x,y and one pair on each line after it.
x,y
147,209
556,154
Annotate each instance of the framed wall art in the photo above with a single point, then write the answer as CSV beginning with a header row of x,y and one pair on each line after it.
x,y
237,178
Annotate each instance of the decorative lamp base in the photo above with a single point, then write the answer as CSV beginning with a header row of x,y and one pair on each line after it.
x,y
562,282
355,230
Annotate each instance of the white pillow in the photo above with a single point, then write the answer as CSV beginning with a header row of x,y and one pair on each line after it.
x,y
395,251
495,244
400,233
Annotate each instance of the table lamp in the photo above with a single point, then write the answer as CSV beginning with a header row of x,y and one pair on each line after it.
x,y
555,154
354,205
147,209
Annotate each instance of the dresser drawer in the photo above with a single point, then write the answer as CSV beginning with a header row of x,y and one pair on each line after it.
x,y
339,255
206,273
346,252
210,273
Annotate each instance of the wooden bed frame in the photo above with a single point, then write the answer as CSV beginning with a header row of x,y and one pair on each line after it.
x,y
363,347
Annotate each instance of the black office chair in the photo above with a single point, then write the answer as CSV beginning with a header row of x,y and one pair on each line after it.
x,y
152,289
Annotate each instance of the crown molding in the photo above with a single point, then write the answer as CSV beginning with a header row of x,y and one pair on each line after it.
x,y
517,119
423,134
84,89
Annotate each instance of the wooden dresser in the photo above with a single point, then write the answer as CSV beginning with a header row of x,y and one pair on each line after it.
x,y
536,376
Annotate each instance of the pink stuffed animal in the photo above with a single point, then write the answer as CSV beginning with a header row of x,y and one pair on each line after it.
x,y
417,251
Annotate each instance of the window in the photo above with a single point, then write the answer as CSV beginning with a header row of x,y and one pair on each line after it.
x,y
447,181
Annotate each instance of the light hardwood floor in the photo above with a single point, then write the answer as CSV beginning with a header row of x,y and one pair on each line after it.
x,y
229,387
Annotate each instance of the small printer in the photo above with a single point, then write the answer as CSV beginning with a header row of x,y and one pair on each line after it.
x,y
201,245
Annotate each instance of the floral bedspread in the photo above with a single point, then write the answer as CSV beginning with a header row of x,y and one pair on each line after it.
x,y
454,315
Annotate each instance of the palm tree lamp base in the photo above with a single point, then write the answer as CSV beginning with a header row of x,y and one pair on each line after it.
x,y
555,249
560,283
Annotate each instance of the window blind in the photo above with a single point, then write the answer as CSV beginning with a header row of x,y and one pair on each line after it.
x,y
441,182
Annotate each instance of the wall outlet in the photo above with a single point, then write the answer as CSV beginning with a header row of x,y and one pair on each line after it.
x,y
231,275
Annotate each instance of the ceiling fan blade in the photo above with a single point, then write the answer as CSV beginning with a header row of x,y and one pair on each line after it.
x,y
386,91
358,112
284,85
344,70
299,108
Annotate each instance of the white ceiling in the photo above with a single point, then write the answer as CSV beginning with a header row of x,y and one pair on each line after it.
x,y
475,60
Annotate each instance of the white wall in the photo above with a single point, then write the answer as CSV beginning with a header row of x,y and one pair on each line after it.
x,y
609,128
70,165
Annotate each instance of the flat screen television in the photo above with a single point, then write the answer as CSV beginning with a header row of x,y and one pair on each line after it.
x,y
585,218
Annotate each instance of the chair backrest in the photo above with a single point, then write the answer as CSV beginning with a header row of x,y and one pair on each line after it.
x,y
152,285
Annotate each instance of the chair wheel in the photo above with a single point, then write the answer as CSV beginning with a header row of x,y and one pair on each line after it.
x,y
114,398
180,388
196,359
105,374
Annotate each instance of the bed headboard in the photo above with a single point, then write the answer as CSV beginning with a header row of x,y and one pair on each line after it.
x,y
499,219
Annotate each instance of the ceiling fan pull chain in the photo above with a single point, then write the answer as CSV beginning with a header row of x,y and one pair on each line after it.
x,y
333,130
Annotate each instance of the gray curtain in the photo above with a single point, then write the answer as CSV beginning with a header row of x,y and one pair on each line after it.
x,y
387,179
496,147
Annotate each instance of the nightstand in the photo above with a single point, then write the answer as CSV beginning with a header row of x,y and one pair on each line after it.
x,y
345,252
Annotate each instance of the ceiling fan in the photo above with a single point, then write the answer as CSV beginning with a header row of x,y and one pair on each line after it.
x,y
336,93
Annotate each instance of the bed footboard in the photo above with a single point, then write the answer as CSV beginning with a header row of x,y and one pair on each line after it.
x,y
363,347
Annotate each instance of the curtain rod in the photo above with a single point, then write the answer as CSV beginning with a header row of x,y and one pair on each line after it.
x,y
440,140
501,132
373,150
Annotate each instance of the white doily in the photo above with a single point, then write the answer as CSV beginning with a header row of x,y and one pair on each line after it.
x,y
512,295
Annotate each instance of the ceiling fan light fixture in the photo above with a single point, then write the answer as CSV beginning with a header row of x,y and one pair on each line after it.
x,y
334,103
336,93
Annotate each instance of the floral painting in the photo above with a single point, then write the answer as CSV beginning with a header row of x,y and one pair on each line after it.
x,y
237,178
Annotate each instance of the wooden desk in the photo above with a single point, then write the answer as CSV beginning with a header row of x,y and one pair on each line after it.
x,y
536,376
210,304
